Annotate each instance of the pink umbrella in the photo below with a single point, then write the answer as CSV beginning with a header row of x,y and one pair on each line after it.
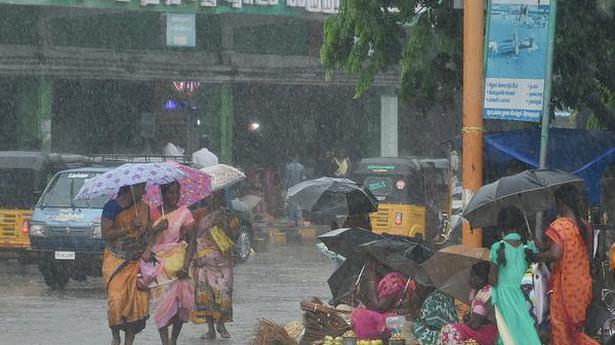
x,y
195,186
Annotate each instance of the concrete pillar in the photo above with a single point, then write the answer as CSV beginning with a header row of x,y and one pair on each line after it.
x,y
34,114
389,126
226,123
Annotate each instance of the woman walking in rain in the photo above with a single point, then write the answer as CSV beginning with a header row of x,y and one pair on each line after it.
x,y
568,238
173,248
213,268
126,229
510,258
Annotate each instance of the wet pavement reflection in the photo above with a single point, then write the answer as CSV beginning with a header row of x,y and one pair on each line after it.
x,y
271,285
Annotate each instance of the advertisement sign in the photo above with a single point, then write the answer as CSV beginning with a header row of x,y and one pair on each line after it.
x,y
181,30
517,45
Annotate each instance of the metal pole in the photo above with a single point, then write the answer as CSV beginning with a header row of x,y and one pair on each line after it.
x,y
472,131
546,115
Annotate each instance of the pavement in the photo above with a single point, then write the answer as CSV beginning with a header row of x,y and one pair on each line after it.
x,y
270,285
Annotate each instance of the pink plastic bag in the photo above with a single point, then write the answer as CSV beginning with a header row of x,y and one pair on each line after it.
x,y
148,271
368,324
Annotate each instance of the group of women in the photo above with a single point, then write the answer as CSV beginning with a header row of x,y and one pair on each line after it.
x,y
171,255
500,310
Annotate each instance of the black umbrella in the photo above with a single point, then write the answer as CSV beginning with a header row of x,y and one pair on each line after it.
x,y
400,254
332,196
531,191
391,253
345,241
345,278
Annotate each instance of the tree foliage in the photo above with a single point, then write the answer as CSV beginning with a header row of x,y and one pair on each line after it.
x,y
424,39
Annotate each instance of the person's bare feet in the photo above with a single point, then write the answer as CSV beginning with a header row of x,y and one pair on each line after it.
x,y
224,334
211,334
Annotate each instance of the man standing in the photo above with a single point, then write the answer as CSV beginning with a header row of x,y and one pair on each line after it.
x,y
203,157
295,173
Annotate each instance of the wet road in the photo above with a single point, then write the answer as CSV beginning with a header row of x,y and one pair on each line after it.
x,y
270,285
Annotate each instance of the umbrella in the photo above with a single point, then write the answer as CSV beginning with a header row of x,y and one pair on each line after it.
x,y
332,196
344,279
399,254
195,186
345,241
391,253
531,191
128,174
449,269
223,175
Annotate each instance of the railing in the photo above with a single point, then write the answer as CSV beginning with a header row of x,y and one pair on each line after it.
x,y
127,158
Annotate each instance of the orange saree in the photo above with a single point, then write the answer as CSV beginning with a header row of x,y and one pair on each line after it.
x,y
127,306
572,285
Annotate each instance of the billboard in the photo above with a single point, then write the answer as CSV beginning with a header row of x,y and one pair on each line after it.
x,y
516,49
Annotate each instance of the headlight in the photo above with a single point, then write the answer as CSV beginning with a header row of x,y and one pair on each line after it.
x,y
38,230
96,231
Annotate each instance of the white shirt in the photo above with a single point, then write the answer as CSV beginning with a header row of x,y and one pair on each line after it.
x,y
204,158
172,150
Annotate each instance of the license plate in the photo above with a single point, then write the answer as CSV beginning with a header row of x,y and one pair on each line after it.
x,y
65,255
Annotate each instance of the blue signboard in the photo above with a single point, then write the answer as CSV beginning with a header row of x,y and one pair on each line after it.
x,y
517,45
181,30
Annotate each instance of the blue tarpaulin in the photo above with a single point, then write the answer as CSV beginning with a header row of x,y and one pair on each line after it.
x,y
586,154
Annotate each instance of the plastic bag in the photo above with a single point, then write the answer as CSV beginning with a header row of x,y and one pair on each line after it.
x,y
173,260
147,274
223,242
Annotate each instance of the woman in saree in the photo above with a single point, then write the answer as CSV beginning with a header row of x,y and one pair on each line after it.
x,y
475,327
510,258
384,298
127,232
437,310
213,268
567,247
173,249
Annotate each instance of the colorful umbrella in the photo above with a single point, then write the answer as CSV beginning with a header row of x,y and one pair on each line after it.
x,y
195,186
223,176
128,174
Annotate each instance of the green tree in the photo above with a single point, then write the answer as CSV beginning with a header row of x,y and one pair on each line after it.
x,y
423,39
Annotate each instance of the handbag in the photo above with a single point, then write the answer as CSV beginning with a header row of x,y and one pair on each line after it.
x,y
173,261
222,241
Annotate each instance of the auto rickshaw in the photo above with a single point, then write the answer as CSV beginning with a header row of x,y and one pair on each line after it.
x,y
23,176
412,192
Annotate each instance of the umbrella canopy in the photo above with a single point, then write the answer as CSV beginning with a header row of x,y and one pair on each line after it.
x,y
332,196
223,175
449,269
531,191
346,241
195,186
399,254
344,278
128,174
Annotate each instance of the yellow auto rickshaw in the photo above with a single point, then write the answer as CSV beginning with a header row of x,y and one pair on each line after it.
x,y
412,191
23,176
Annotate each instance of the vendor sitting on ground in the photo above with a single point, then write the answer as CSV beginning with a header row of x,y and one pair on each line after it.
x,y
381,298
437,310
476,326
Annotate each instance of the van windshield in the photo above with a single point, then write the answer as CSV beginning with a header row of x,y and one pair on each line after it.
x,y
63,189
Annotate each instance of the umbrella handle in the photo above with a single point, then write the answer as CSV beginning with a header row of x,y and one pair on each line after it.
x,y
134,201
527,224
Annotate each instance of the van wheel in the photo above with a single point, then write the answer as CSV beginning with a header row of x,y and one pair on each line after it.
x,y
56,277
